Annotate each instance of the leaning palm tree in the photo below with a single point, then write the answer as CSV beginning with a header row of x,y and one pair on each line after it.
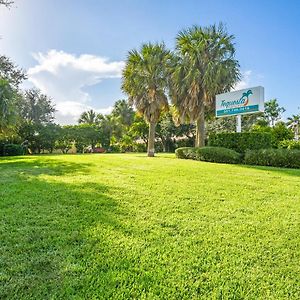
x,y
89,117
145,82
204,66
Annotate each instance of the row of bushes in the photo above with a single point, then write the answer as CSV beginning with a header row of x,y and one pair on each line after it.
x,y
263,157
11,149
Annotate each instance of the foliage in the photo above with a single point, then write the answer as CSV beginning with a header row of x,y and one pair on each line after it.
x,y
204,229
36,107
10,72
210,154
285,158
273,111
279,132
124,113
240,142
145,82
8,102
204,65
12,150
90,117
289,144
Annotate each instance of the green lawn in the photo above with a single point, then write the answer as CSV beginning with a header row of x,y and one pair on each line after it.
x,y
124,226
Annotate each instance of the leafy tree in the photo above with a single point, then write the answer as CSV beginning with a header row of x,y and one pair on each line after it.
x,y
37,107
8,101
10,72
204,66
139,129
89,117
145,82
273,111
65,140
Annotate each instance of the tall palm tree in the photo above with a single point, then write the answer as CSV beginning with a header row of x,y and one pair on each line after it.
x,y
145,82
89,117
294,123
204,66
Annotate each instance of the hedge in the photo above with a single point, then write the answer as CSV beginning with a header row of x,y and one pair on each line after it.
x,y
12,150
210,154
285,158
290,144
240,142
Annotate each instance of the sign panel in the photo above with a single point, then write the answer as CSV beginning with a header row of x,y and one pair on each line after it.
x,y
247,101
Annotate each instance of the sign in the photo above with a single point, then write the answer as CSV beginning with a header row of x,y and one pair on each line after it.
x,y
247,101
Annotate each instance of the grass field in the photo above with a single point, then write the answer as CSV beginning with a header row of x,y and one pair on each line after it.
x,y
124,226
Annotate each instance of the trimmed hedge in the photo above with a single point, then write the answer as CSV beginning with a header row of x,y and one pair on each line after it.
x,y
240,142
12,150
273,157
210,154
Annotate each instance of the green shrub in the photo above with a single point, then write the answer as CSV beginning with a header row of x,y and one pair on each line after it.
x,y
218,155
290,144
182,152
240,142
12,150
273,157
210,154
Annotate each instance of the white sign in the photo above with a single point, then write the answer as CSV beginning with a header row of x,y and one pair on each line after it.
x,y
247,101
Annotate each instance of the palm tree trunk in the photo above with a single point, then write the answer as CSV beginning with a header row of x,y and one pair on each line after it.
x,y
151,139
200,131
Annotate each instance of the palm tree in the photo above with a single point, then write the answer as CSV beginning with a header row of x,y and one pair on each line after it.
x,y
124,112
145,82
294,123
89,117
204,66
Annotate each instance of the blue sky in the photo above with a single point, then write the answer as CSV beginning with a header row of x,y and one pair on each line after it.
x,y
75,50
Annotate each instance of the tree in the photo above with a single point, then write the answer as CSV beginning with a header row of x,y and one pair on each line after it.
x,y
10,72
273,111
8,96
139,129
37,107
124,112
145,82
89,117
294,123
204,65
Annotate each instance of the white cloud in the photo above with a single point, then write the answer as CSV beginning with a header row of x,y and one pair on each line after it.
x,y
64,76
245,81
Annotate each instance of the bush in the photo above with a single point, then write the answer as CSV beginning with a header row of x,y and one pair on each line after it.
x,y
12,150
219,155
183,152
240,142
273,157
210,154
290,144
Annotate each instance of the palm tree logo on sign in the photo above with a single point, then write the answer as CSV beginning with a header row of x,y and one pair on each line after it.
x,y
246,96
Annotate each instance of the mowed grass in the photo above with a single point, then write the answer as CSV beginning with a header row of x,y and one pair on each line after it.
x,y
124,226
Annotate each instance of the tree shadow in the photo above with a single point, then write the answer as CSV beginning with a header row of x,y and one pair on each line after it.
x,y
46,228
283,171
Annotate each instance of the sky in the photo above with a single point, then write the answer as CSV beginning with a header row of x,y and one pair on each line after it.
x,y
74,51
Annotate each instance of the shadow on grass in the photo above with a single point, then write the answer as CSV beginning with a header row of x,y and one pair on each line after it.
x,y
46,165
47,243
283,171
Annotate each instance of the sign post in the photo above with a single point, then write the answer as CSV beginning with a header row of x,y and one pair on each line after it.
x,y
238,103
